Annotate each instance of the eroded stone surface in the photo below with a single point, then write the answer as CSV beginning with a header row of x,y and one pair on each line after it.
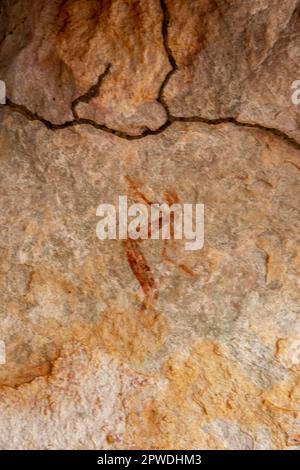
x,y
192,349
239,60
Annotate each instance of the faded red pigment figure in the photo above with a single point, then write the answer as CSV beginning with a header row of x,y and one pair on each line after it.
x,y
169,222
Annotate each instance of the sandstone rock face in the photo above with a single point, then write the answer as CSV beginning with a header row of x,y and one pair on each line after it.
x,y
239,61
123,344
65,47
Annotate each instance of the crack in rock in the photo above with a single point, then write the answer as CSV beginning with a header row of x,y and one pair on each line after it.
x,y
31,116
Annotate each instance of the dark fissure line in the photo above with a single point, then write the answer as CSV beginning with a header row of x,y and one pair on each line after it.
x,y
172,61
147,132
95,89
91,93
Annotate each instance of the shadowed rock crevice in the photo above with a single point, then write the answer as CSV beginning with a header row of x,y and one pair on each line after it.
x,y
172,61
91,93
142,343
148,132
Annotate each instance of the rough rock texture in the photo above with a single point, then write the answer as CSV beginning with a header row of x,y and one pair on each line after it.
x,y
141,344
66,46
239,60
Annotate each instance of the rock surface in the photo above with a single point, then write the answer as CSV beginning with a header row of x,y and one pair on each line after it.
x,y
239,60
170,101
